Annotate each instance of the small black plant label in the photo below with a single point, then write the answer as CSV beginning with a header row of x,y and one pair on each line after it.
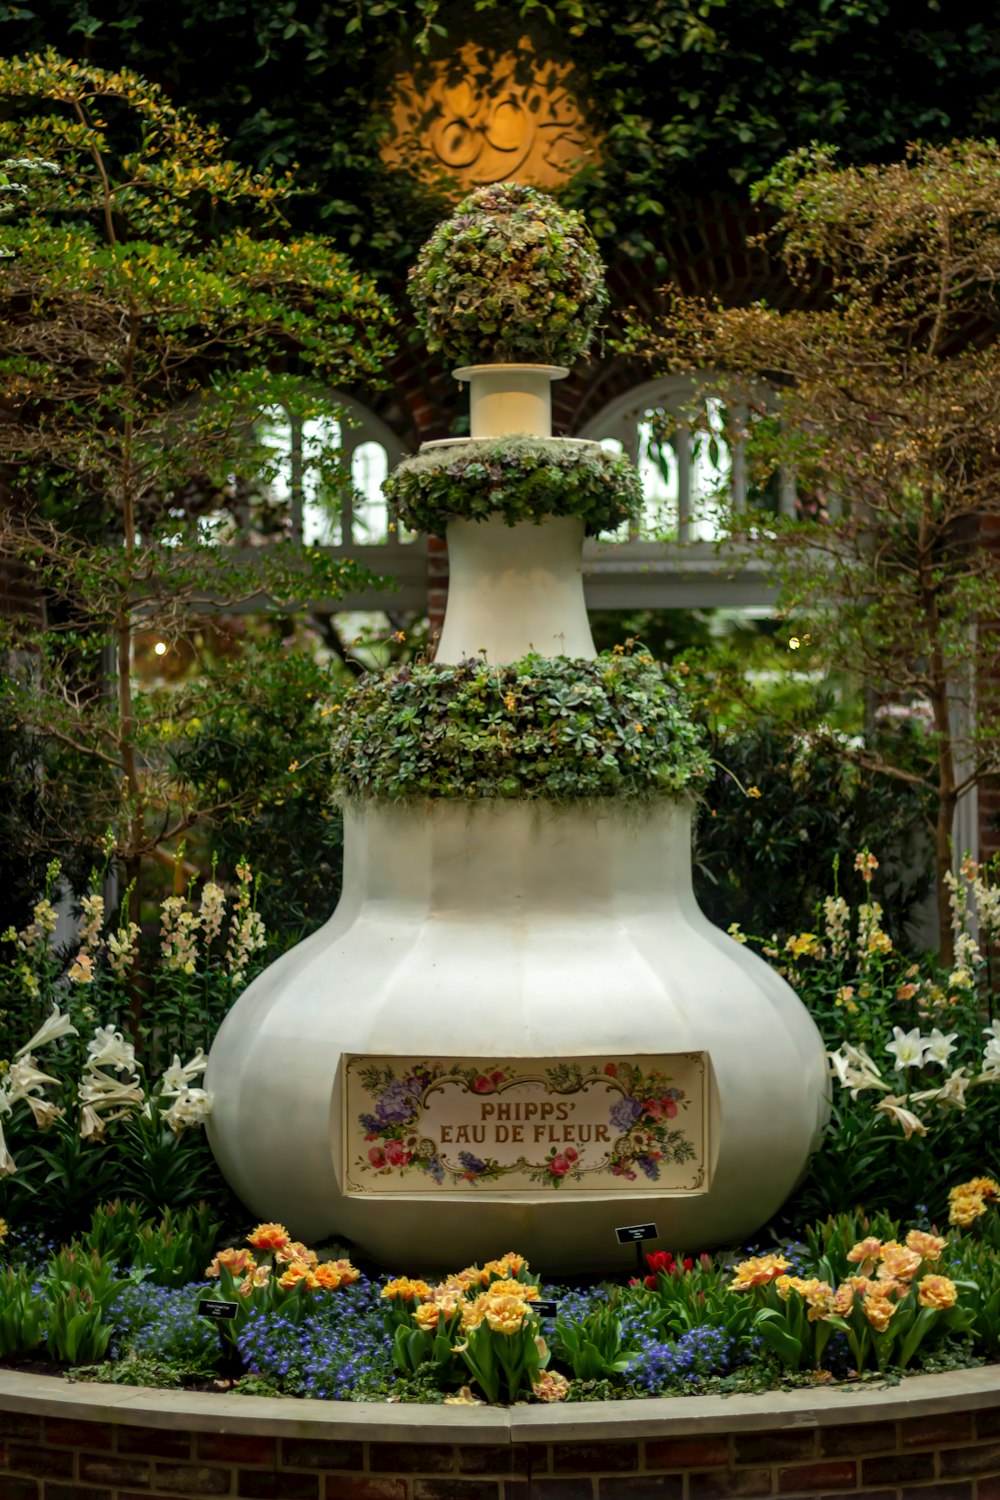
x,y
218,1311
545,1307
631,1234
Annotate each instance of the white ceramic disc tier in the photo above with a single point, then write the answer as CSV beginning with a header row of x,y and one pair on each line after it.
x,y
519,930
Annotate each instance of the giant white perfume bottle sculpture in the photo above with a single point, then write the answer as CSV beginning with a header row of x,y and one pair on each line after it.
x,y
483,949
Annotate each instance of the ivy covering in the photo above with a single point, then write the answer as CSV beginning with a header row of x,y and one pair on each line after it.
x,y
510,277
518,478
556,729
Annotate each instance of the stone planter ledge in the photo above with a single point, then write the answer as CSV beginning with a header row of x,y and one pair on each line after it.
x,y
916,1397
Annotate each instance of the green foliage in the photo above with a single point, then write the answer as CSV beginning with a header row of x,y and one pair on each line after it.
x,y
259,748
595,1347
765,859
176,1250
691,98
890,416
510,278
22,1312
518,478
78,1289
558,729
682,1300
152,306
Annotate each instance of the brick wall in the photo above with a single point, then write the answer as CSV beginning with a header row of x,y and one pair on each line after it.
x,y
949,1456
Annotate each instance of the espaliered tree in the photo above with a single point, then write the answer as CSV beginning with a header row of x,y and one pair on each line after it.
x,y
889,401
152,304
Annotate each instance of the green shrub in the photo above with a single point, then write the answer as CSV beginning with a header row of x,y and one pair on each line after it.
x,y
518,478
766,861
559,729
510,277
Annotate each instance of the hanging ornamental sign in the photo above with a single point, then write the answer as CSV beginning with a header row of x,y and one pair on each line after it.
x,y
484,116
590,1124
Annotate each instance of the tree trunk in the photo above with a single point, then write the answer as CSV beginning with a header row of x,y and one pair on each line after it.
x,y
943,861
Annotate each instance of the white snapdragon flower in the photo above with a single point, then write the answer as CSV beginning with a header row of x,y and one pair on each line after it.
x,y
55,1026
109,1049
121,949
212,911
907,1047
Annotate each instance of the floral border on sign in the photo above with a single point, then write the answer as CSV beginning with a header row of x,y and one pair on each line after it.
x,y
647,1140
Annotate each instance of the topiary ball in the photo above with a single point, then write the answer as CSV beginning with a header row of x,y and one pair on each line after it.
x,y
510,278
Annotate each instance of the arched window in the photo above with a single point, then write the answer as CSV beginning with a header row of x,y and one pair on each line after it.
x,y
691,451
326,473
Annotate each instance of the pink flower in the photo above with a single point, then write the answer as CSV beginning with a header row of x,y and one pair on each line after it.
x,y
560,1165
377,1158
571,1154
497,1078
482,1084
611,1069
397,1153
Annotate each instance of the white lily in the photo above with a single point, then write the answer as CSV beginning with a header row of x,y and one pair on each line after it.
x,y
952,1091
8,1165
23,1078
104,1092
894,1106
856,1070
91,1124
190,1107
178,1076
45,1112
55,1026
907,1047
938,1047
109,1049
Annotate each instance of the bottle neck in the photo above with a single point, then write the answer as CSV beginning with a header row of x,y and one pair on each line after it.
x,y
515,589
508,400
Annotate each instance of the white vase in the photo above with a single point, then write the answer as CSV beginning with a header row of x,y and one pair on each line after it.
x,y
513,930
531,969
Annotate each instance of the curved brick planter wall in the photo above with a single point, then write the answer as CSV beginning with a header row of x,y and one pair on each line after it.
x,y
935,1437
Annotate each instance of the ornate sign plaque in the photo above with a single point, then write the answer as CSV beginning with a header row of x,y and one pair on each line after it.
x,y
592,1124
487,117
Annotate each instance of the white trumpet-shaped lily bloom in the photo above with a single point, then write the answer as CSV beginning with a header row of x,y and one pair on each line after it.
x,y
190,1107
907,1047
178,1076
55,1026
938,1047
23,1078
895,1107
101,1091
109,1049
951,1092
855,1070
